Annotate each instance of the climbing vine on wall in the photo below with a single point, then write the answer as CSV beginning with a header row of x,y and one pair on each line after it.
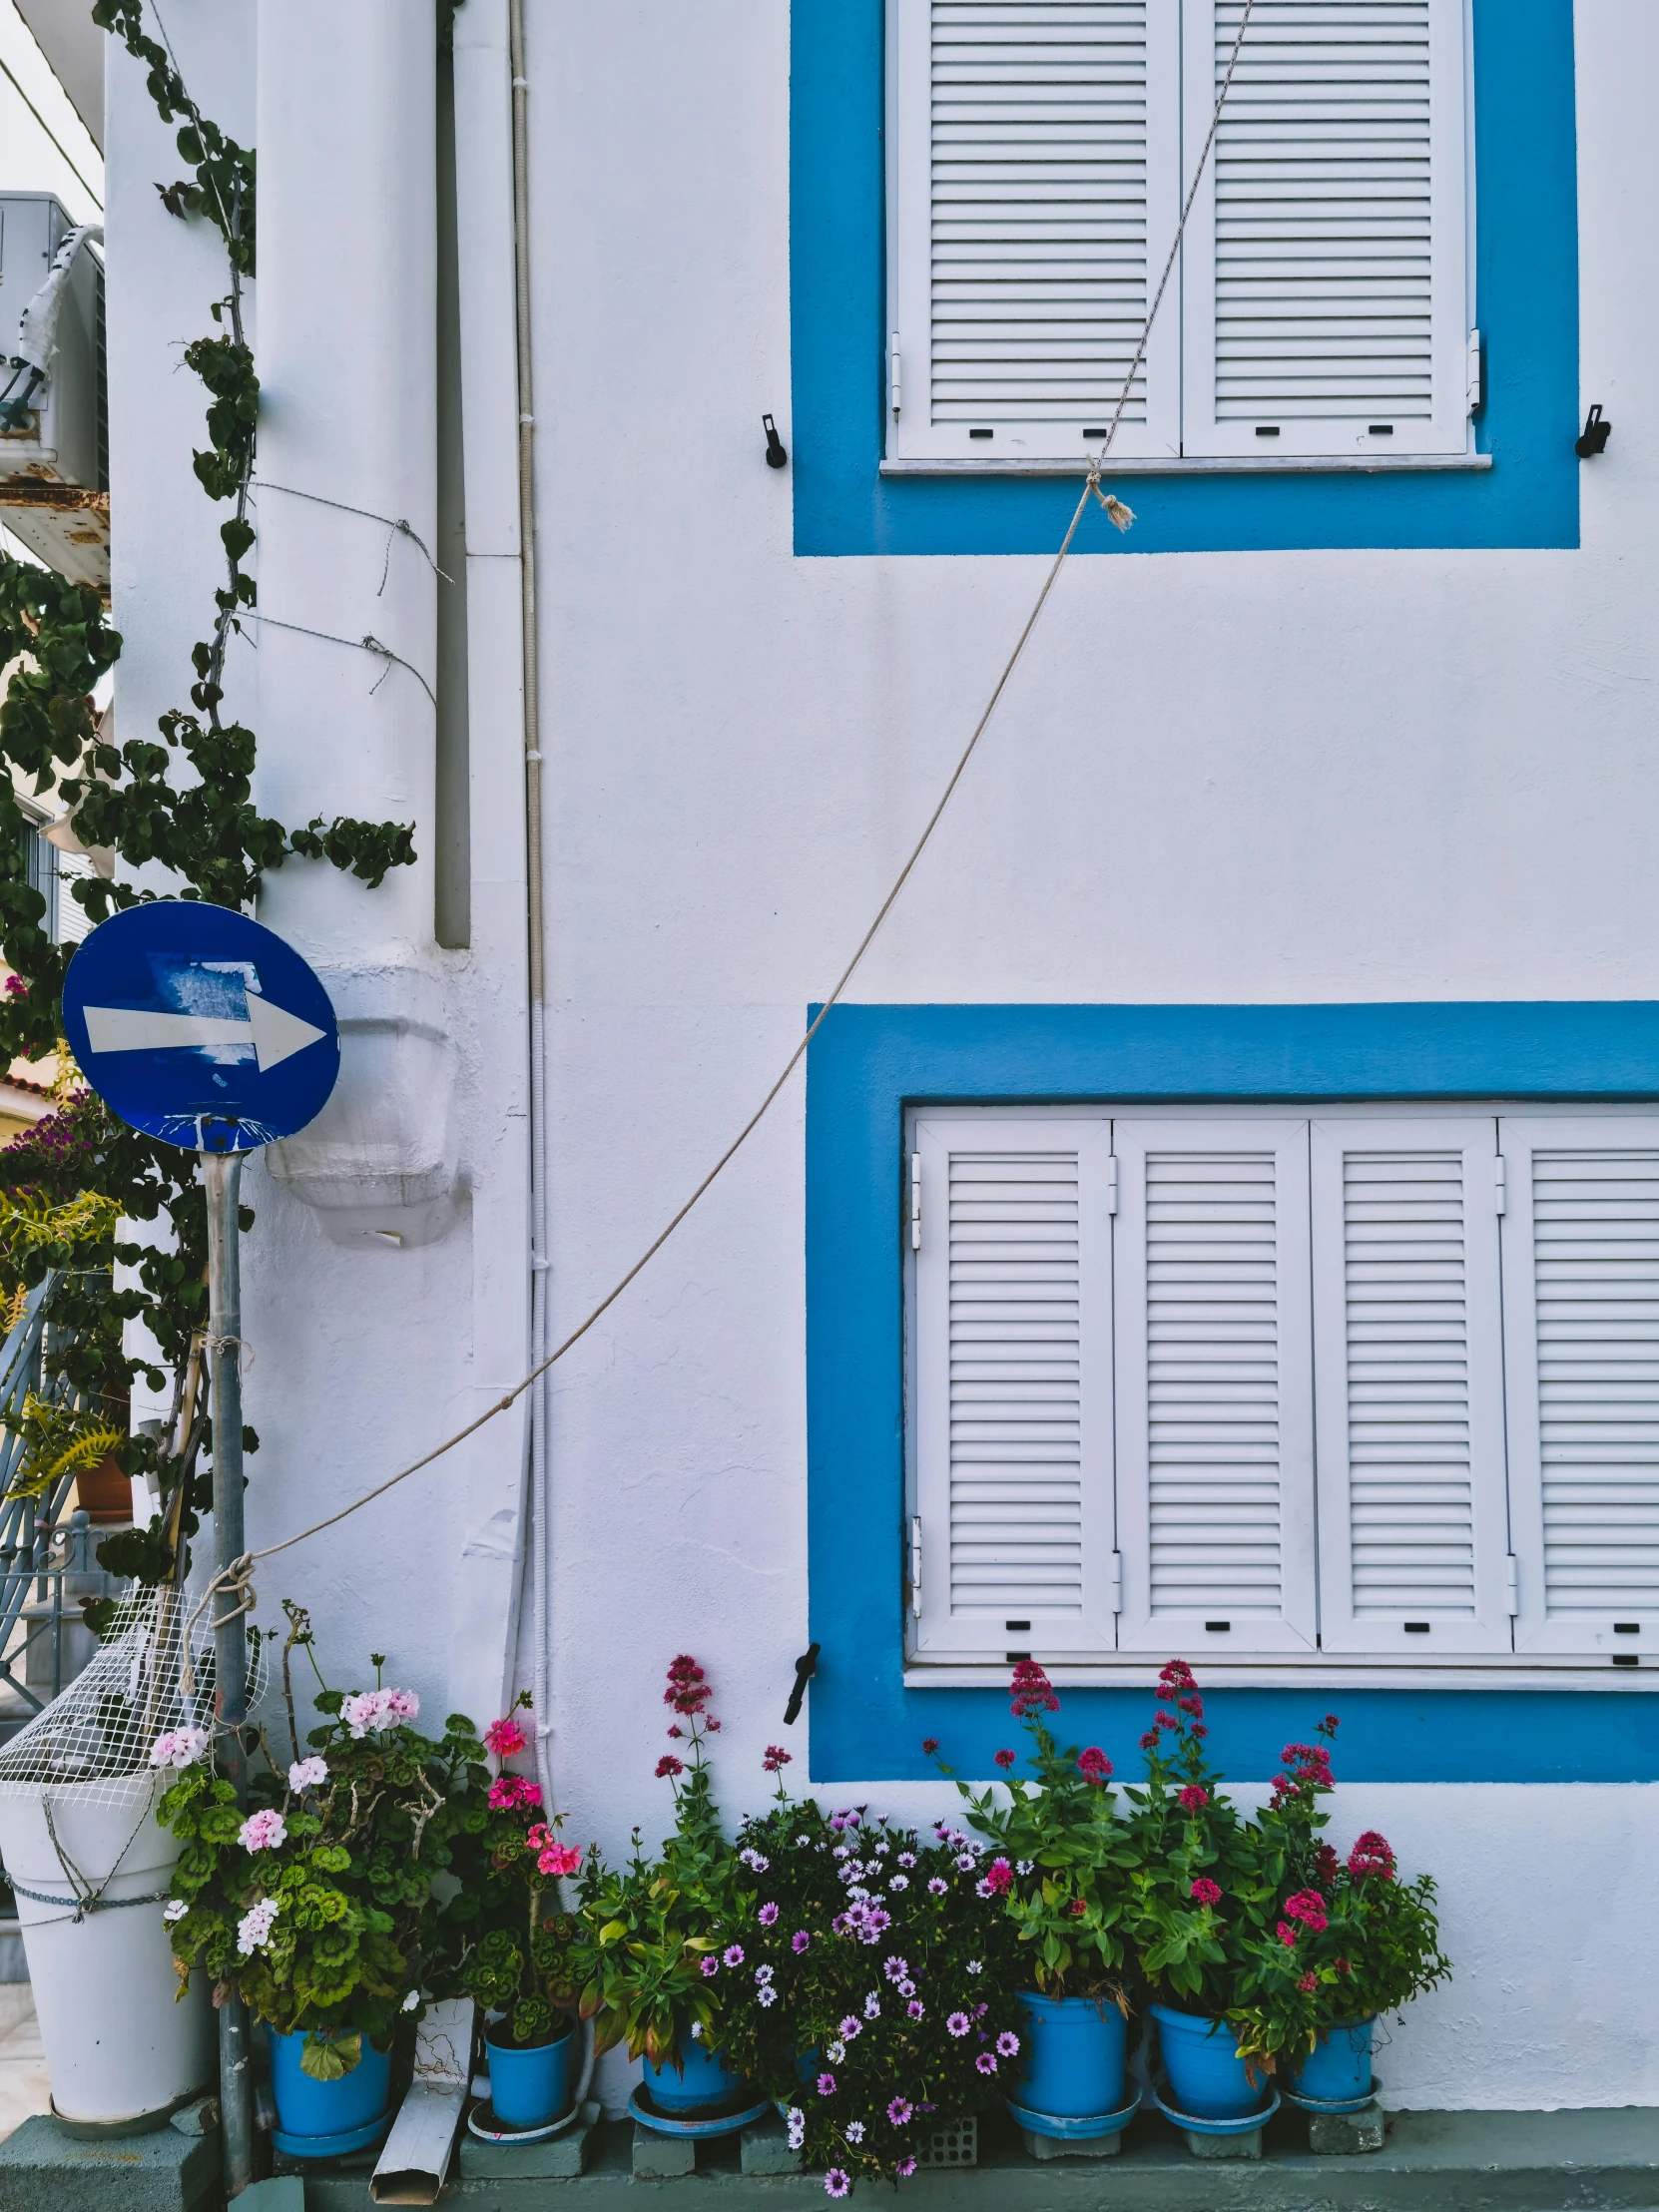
x,y
184,804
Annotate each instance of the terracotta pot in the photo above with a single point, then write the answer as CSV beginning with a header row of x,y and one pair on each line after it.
x,y
105,1491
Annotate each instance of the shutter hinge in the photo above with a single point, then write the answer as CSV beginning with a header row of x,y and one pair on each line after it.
x,y
1500,1184
893,394
1511,1584
1477,378
915,1201
1117,1582
915,1565
1112,1184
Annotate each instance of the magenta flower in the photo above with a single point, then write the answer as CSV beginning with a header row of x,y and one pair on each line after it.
x,y
798,1940
1093,1765
1034,1692
930,1745
775,1756
895,1968
733,1955
1308,1907
899,2112
835,2183
767,1913
1008,2043
986,2063
825,2084
1004,1759
958,2024
850,2028
1192,1799
1000,1877
668,1765
905,2168
504,1737
263,1832
915,2009
1287,1934
937,1887
559,1859
710,1966
1205,1892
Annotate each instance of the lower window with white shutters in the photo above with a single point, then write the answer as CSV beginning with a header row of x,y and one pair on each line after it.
x,y
1361,1390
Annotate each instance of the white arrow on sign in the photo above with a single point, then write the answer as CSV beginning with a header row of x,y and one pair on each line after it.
x,y
275,1034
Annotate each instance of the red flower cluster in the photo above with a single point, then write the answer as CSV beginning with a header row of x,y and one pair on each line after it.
x,y
1326,1862
1308,1767
1205,1892
1034,1692
1176,1683
1372,1854
688,1691
1094,1766
1193,1798
999,1877
1308,1907
1004,1758
1307,1983
668,1766
776,1758
930,1745
510,1789
1077,1908
504,1737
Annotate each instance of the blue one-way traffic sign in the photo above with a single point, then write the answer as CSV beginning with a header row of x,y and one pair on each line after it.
x,y
199,1026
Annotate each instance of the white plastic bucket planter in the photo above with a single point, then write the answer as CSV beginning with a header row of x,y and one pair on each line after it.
x,y
120,2051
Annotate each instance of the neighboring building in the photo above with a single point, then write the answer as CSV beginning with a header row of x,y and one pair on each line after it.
x,y
1274,1016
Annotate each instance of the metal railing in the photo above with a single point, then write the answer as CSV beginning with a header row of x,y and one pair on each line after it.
x,y
46,1563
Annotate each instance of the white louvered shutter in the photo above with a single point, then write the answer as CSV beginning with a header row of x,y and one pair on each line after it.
x,y
1033,183
1214,1387
1409,1377
1325,291
1012,1386
1581,1348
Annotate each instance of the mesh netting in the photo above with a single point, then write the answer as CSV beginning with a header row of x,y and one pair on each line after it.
x,y
93,1743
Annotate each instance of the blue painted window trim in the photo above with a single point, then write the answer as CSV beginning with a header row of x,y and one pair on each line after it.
x,y
866,1064
1526,282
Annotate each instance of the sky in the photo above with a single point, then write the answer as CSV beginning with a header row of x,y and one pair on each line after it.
x,y
28,160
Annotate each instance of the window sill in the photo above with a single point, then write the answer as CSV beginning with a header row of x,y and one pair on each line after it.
x,y
1325,1668
1291,464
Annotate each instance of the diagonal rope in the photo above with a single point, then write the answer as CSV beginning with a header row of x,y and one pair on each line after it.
x,y
235,1575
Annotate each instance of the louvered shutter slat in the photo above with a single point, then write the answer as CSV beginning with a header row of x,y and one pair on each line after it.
x,y
1213,1414
1323,266
1581,1287
1036,140
1408,1378
1010,1385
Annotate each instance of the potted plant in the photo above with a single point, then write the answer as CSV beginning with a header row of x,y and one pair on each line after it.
x,y
1345,1940
1068,1899
648,1932
1196,1884
315,1903
865,1978
515,1944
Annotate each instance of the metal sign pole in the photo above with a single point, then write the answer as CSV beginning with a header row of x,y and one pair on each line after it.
x,y
221,1173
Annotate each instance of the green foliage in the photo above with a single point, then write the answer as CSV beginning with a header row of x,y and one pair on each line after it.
x,y
509,1945
1348,1938
1062,1830
902,1999
321,1907
645,1930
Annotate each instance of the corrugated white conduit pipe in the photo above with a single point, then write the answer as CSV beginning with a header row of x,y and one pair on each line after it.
x,y
538,1516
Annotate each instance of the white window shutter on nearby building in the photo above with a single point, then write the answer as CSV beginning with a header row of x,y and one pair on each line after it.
x,y
1325,285
1011,1381
1581,1302
1408,1371
1034,189
1214,1387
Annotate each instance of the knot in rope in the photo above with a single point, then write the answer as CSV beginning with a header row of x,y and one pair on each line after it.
x,y
236,1580
238,1345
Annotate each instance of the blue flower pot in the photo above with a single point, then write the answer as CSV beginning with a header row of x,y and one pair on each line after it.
x,y
318,2113
1207,2076
532,2084
1339,2065
1075,2050
701,2082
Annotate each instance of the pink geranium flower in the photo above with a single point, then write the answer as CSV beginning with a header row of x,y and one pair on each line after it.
x,y
266,1831
506,1737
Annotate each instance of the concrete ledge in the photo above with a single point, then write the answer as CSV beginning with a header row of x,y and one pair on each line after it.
x,y
44,2170
1595,2161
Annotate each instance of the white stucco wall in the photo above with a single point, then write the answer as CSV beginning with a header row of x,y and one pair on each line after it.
x,y
1253,777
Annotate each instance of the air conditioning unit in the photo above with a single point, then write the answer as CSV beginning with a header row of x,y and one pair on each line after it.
x,y
54,442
